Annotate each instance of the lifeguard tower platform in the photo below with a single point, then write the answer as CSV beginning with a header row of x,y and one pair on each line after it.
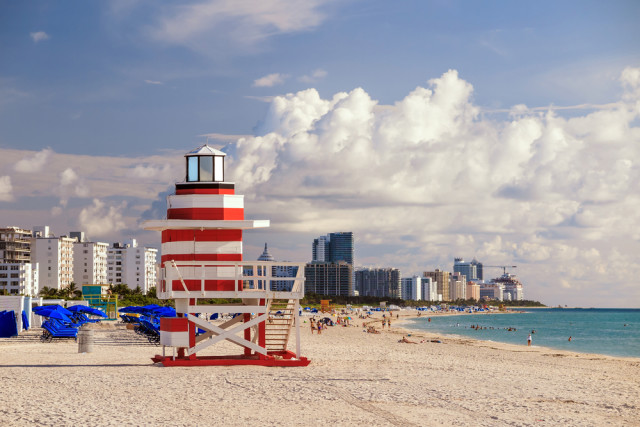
x,y
202,259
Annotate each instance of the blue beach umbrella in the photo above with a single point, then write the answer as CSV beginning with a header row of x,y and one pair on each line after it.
x,y
48,308
96,312
78,308
55,314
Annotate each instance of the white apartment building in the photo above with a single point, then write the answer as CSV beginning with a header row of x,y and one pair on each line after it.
x,y
429,289
19,279
457,287
90,263
55,258
131,265
411,288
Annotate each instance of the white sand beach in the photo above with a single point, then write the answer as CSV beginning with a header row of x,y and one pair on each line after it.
x,y
354,378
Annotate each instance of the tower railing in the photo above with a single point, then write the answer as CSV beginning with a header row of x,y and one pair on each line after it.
x,y
251,279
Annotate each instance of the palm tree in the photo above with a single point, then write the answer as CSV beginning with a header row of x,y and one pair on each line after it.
x,y
121,289
71,289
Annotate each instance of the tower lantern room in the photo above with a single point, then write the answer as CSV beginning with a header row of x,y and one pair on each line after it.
x,y
205,164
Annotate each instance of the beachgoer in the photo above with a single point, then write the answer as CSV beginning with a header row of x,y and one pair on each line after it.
x,y
320,327
405,340
313,326
429,319
529,340
569,338
389,323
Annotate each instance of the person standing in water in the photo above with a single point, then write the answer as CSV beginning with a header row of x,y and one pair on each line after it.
x,y
529,340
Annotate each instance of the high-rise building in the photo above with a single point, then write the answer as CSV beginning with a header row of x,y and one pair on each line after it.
x,y
430,289
492,291
18,279
55,258
379,282
479,271
471,270
15,245
320,249
341,247
457,287
442,279
473,291
334,247
90,263
412,288
131,265
329,278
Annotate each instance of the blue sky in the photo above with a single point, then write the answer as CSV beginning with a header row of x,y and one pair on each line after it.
x,y
529,109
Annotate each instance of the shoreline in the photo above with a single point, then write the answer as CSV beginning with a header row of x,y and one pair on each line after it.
x,y
502,345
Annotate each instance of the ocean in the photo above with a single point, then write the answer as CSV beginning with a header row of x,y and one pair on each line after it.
x,y
609,331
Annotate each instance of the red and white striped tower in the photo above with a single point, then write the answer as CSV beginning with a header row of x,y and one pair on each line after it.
x,y
202,258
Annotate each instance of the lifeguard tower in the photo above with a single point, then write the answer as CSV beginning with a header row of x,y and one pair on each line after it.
x,y
202,259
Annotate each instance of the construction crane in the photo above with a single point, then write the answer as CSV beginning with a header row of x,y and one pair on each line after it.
x,y
503,267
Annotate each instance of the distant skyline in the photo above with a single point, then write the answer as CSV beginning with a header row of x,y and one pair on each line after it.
x,y
502,130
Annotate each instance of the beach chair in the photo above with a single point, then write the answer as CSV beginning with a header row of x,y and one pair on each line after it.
x,y
53,328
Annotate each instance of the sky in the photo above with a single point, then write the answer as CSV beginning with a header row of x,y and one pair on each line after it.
x,y
432,129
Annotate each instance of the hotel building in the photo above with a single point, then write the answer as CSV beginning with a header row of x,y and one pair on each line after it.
x,y
90,263
55,258
132,265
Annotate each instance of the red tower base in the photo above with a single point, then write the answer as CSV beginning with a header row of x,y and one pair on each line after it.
x,y
275,358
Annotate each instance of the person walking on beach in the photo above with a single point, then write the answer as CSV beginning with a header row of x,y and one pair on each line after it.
x,y
529,340
313,326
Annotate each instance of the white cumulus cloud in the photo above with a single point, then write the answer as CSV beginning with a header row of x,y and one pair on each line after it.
x,y
71,185
35,162
270,80
101,220
535,189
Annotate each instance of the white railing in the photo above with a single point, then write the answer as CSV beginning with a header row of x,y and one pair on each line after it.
x,y
252,279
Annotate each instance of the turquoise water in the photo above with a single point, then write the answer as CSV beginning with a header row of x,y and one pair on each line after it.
x,y
592,330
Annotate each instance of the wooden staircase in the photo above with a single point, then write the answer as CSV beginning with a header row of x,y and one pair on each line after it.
x,y
278,327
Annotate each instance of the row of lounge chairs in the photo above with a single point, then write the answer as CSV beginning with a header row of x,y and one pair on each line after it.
x,y
64,323
54,328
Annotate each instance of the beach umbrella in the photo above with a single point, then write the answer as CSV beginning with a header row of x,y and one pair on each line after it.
x,y
165,312
55,314
78,308
48,308
95,312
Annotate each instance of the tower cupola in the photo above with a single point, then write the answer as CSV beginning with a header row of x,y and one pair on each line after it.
x,y
205,164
